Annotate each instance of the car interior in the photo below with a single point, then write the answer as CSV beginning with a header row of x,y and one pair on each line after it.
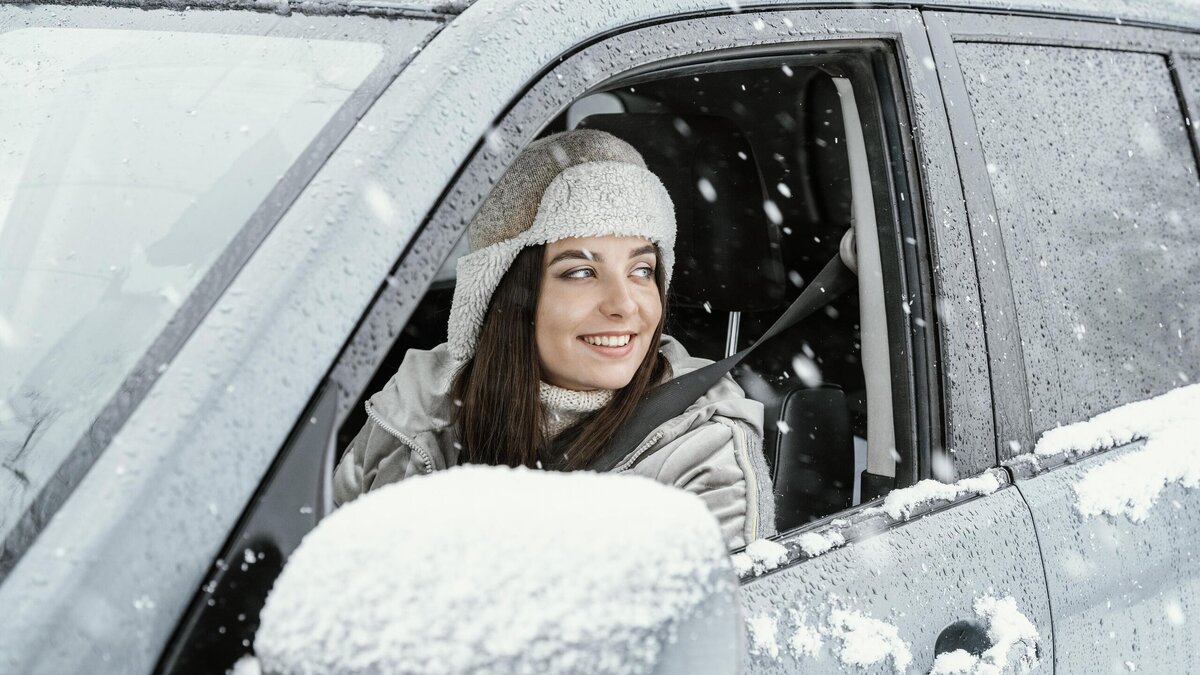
x,y
755,159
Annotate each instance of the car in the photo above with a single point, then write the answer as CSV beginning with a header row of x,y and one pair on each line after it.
x,y
225,222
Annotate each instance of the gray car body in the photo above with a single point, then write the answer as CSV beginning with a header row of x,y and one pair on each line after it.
x,y
103,584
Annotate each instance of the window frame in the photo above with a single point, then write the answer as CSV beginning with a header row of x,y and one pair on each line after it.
x,y
937,267
1006,360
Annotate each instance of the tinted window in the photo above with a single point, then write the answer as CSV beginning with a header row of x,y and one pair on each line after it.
x,y
129,161
1096,193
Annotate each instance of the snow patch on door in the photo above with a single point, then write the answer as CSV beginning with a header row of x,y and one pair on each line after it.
x,y
764,635
1129,485
761,555
806,639
899,504
815,543
764,555
866,641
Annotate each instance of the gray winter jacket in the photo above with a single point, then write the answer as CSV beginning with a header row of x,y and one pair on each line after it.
x,y
713,449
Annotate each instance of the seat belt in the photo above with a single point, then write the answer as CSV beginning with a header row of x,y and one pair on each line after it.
x,y
674,396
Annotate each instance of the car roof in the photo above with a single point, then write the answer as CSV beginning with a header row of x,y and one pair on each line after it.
x,y
1176,14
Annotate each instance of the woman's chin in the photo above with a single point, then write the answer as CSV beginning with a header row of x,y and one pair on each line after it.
x,y
595,380
613,382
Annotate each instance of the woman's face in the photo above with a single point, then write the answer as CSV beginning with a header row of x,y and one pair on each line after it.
x,y
597,311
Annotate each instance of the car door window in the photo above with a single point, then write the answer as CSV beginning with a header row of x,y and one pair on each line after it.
x,y
1095,197
131,160
755,156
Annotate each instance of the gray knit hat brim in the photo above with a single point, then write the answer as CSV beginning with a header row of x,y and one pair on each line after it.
x,y
591,199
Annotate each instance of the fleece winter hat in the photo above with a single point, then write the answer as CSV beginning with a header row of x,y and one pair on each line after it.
x,y
581,183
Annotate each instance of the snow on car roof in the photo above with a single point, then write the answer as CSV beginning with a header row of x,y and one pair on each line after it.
x,y
491,569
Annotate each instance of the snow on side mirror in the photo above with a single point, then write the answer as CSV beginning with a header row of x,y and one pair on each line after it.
x,y
490,569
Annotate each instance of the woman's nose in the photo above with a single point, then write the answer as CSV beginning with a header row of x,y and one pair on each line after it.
x,y
618,299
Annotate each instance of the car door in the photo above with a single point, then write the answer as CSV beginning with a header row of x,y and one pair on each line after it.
x,y
925,569
1078,138
939,556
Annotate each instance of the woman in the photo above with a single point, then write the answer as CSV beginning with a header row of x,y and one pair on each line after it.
x,y
555,334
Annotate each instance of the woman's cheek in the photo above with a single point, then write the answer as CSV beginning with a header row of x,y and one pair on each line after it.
x,y
558,312
651,306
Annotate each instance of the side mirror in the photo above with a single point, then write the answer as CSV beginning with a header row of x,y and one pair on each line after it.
x,y
492,569
709,639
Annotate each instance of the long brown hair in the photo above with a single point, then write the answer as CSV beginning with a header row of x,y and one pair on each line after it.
x,y
499,418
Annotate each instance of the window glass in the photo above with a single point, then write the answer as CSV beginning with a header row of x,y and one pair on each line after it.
x,y
129,161
1096,193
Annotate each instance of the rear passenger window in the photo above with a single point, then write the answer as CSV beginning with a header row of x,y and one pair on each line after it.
x,y
1097,200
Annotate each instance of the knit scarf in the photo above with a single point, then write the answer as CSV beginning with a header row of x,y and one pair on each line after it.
x,y
564,407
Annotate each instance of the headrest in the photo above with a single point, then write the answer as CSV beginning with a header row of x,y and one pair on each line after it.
x,y
727,250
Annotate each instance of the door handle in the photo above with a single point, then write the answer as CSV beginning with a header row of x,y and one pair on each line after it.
x,y
969,635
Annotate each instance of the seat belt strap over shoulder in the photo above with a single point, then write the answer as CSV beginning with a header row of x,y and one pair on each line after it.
x,y
674,396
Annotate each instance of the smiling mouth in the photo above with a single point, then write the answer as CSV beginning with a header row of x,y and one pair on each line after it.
x,y
608,340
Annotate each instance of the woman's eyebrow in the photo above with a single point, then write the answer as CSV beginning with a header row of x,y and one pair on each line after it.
x,y
576,255
641,250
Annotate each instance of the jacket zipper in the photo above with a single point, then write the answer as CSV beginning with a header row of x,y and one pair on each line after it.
x,y
641,449
751,483
412,445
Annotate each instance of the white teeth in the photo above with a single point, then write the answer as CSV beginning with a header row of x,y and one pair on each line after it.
x,y
607,340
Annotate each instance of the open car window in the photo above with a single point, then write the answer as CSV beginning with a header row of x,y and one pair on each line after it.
x,y
755,156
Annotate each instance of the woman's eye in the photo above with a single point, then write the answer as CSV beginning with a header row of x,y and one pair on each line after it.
x,y
644,272
581,273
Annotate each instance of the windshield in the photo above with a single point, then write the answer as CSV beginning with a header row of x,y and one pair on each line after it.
x,y
129,161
